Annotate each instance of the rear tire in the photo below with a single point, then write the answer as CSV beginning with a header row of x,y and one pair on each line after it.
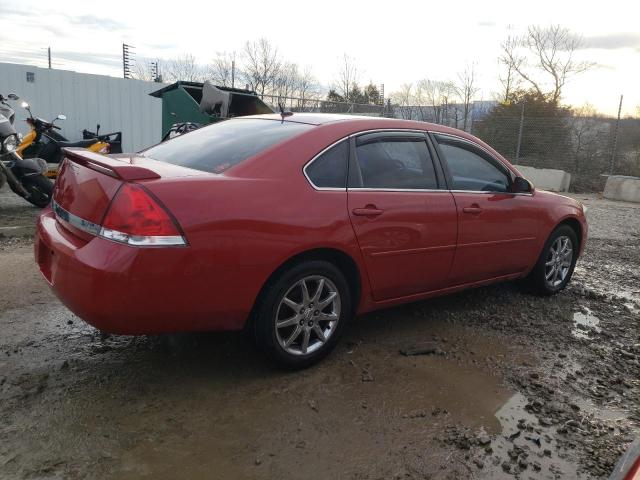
x,y
40,190
556,262
302,313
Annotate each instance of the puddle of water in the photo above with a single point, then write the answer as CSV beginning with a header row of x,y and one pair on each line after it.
x,y
604,413
533,448
584,324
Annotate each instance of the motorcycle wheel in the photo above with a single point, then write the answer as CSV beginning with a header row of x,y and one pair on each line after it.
x,y
40,190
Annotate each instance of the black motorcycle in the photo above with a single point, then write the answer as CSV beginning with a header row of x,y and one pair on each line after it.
x,y
48,143
24,176
114,139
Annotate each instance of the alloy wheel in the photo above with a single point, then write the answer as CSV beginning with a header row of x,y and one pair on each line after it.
x,y
307,315
558,262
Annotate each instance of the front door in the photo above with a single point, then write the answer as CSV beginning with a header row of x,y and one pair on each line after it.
x,y
404,219
497,229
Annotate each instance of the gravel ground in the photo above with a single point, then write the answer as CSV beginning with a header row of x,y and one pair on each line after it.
x,y
509,385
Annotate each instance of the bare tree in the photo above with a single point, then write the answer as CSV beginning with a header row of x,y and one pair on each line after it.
x,y
466,90
183,68
347,77
308,87
420,101
403,99
143,71
262,64
510,82
286,80
588,133
223,69
438,95
544,58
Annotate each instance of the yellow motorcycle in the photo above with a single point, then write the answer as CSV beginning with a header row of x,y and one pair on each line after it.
x,y
43,141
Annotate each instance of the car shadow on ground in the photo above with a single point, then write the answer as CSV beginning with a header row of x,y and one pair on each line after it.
x,y
233,354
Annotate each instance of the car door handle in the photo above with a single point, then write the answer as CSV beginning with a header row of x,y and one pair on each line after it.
x,y
368,211
473,209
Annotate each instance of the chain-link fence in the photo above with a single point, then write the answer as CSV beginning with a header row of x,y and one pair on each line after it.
x,y
586,145
297,104
589,147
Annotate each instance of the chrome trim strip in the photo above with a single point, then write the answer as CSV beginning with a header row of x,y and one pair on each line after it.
x,y
140,240
114,235
495,242
74,220
424,190
306,165
403,130
411,251
492,192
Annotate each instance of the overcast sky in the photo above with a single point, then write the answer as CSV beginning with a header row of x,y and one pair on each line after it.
x,y
393,42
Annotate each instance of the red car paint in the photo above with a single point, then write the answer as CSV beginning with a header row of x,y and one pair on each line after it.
x,y
240,226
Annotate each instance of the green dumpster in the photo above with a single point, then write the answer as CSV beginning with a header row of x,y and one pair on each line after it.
x,y
205,103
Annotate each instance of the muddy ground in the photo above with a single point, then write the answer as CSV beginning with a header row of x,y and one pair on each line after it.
x,y
512,386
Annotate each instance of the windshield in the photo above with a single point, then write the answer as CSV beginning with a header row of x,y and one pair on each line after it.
x,y
217,147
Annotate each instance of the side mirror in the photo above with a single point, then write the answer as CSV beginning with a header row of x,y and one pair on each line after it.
x,y
522,185
61,117
13,96
25,105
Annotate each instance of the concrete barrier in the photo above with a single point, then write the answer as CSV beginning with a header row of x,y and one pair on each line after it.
x,y
620,187
546,178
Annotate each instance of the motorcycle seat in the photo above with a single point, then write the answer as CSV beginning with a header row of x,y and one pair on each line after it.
x,y
80,143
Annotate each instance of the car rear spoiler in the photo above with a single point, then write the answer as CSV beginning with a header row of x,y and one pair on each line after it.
x,y
116,168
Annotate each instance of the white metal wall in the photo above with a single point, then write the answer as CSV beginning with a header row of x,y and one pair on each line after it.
x,y
117,104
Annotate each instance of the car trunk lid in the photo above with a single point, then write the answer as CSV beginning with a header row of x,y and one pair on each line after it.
x,y
88,182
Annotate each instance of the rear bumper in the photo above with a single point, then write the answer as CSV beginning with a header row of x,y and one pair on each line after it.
x,y
129,290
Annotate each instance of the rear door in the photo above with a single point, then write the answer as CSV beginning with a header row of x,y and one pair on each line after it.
x,y
497,229
403,216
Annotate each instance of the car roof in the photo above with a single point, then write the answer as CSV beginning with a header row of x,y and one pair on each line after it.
x,y
362,122
319,118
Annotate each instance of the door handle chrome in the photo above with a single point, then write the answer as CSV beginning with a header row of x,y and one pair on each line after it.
x,y
368,211
473,209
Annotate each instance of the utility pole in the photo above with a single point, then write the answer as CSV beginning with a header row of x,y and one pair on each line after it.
x,y
615,140
155,71
49,56
127,57
233,73
520,134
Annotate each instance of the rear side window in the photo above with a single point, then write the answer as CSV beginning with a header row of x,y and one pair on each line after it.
x,y
395,162
471,169
217,147
329,170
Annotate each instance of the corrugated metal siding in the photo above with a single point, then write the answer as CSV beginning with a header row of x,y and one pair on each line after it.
x,y
117,104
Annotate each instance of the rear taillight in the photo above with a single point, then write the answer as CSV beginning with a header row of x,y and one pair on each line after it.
x,y
136,218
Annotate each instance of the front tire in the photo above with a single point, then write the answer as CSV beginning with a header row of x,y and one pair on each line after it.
x,y
556,262
40,190
301,314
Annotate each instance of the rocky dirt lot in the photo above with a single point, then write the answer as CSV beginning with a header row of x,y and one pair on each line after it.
x,y
507,385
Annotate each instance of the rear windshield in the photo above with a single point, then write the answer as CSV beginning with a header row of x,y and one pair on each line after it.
x,y
218,147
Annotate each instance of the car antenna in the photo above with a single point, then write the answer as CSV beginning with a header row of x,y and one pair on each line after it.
x,y
283,113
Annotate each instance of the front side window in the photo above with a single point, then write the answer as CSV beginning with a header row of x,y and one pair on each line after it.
x,y
395,163
472,169
220,146
329,170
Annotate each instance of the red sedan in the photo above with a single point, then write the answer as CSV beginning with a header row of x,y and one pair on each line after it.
x,y
290,226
